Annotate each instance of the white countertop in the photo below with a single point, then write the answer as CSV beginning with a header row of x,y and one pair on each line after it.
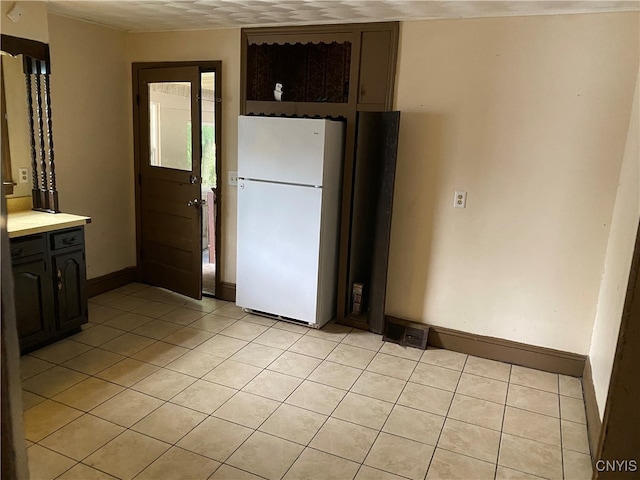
x,y
28,222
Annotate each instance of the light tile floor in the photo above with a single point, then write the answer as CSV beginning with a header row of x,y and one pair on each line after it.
x,y
158,386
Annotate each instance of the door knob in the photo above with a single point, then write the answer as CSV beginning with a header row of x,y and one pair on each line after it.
x,y
193,203
193,179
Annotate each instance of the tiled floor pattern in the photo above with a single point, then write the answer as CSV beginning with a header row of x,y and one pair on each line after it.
x,y
162,387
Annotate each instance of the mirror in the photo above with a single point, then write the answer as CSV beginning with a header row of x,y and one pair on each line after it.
x,y
27,141
16,141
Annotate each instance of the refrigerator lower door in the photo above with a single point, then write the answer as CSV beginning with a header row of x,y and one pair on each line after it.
x,y
278,249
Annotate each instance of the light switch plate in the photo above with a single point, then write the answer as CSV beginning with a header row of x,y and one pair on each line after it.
x,y
233,178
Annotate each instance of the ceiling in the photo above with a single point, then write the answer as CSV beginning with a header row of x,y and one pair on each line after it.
x,y
168,15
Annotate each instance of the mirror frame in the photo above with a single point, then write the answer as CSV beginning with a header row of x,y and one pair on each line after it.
x,y
7,174
36,68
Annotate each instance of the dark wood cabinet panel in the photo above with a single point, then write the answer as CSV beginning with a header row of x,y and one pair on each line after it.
x,y
374,176
67,238
70,289
377,59
33,300
50,286
297,109
309,72
348,64
25,247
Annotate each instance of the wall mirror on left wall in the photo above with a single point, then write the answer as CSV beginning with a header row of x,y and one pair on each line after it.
x,y
28,160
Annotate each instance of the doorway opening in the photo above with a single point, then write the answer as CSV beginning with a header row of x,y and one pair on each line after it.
x,y
209,184
178,199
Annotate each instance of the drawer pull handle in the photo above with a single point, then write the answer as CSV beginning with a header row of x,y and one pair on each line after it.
x,y
17,253
69,240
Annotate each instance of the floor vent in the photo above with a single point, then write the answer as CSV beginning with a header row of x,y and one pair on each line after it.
x,y
405,333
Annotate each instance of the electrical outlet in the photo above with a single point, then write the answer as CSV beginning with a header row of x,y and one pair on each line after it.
x,y
23,175
460,200
233,178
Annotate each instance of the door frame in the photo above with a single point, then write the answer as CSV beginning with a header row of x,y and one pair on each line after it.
x,y
203,66
619,437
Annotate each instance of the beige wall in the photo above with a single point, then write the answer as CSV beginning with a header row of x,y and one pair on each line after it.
x,y
613,289
221,45
90,95
32,24
529,116
17,123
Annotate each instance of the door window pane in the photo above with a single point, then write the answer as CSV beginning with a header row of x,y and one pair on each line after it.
x,y
170,125
208,83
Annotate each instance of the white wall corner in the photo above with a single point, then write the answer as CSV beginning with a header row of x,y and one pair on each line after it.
x,y
617,264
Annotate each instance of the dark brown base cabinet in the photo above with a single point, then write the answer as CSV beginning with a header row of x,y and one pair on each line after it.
x,y
50,286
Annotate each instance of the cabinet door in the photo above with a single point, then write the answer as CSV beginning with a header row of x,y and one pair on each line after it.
x,y
70,289
377,69
33,294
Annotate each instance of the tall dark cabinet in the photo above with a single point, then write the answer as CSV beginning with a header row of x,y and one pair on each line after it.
x,y
337,72
372,206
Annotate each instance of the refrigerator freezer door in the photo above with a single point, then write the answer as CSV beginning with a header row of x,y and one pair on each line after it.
x,y
278,249
287,150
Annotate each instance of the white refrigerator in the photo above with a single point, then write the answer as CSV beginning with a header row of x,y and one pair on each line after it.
x,y
289,188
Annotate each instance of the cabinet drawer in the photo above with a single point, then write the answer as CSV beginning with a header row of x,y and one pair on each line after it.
x,y
67,238
25,247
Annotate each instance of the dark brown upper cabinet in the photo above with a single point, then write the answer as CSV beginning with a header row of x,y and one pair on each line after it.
x,y
310,72
377,69
329,71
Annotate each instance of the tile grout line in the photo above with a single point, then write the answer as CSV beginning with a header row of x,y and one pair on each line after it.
x,y
125,428
342,399
164,403
239,390
562,472
395,403
504,414
526,438
151,412
447,415
142,433
334,408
